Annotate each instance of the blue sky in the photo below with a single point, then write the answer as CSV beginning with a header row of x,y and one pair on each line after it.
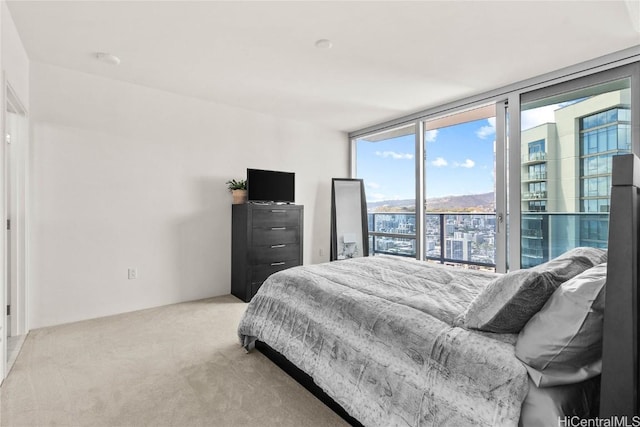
x,y
459,161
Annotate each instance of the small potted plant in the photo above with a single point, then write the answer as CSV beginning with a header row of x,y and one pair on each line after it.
x,y
238,189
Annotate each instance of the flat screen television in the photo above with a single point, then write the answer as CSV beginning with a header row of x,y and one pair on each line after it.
x,y
270,186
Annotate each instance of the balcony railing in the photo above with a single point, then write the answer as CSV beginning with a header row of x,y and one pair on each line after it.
x,y
460,238
469,238
546,235
532,252
534,195
529,233
536,176
534,157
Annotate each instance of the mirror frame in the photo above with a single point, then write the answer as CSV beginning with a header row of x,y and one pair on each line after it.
x,y
348,206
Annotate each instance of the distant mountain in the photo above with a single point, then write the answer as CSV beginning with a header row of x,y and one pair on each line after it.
x,y
472,202
485,202
374,206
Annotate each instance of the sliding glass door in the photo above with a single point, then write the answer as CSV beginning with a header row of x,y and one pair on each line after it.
x,y
449,164
569,135
460,188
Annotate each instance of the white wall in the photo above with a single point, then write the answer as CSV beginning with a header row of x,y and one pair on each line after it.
x,y
126,176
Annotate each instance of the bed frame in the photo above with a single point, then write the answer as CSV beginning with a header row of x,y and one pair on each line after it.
x,y
619,382
306,381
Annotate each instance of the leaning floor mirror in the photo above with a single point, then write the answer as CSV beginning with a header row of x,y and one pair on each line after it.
x,y
349,227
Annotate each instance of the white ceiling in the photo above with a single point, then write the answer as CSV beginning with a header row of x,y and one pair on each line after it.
x,y
389,58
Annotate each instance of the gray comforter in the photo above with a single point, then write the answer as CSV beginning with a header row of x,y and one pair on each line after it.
x,y
377,334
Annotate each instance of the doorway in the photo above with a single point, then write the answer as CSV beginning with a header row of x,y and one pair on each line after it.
x,y
15,155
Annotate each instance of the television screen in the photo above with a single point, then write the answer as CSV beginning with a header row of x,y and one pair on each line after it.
x,y
270,186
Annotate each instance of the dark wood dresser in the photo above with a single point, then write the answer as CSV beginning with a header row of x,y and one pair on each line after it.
x,y
264,239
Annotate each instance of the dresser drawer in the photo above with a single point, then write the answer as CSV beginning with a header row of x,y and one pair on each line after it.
x,y
275,253
275,235
275,217
259,273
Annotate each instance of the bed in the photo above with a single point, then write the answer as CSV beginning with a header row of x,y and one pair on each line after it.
x,y
396,341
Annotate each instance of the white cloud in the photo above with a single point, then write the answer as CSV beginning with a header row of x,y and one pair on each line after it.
x,y
439,162
538,116
486,131
431,135
373,185
395,155
467,164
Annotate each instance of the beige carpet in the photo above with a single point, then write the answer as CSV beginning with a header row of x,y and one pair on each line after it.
x,y
179,365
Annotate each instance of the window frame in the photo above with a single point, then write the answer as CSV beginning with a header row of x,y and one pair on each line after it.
x,y
615,66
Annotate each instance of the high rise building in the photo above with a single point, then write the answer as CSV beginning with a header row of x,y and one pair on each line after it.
x,y
458,247
566,175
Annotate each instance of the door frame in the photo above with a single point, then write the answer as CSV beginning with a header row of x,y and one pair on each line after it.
x,y
546,90
14,201
3,246
15,206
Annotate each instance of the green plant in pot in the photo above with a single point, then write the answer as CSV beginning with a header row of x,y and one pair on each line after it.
x,y
238,189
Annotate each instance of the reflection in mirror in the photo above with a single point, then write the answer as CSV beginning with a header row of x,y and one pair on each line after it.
x,y
349,237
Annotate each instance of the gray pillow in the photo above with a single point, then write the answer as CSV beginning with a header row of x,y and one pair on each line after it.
x,y
562,343
509,301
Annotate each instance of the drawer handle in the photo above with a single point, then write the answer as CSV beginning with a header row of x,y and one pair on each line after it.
x,y
278,228
278,210
277,246
273,264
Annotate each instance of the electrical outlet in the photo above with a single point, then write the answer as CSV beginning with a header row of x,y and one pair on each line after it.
x,y
133,273
321,252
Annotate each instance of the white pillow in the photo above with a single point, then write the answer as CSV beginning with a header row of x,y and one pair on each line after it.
x,y
562,343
